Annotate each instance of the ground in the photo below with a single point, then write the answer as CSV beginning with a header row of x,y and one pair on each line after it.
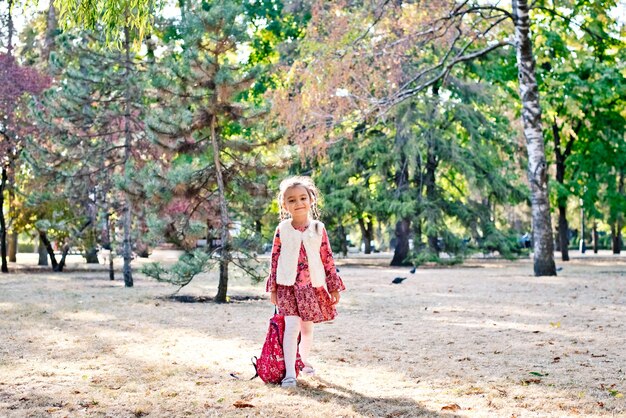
x,y
482,340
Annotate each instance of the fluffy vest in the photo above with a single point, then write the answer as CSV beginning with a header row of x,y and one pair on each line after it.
x,y
290,240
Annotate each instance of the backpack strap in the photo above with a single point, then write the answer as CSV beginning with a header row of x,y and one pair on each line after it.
x,y
254,360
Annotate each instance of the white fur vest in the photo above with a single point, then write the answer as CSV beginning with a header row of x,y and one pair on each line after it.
x,y
290,240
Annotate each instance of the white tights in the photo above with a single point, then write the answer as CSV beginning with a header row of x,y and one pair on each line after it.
x,y
293,327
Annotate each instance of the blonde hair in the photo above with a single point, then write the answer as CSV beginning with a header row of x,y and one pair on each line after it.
x,y
307,183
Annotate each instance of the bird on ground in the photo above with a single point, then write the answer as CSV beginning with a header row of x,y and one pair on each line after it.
x,y
398,280
413,270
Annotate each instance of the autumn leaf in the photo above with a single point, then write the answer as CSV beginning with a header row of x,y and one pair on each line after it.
x,y
242,404
451,407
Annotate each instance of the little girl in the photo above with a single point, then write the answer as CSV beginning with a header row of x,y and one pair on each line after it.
x,y
302,263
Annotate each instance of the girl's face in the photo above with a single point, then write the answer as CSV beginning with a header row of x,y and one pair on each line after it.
x,y
297,202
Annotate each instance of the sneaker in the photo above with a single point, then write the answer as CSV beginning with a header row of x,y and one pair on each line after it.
x,y
288,382
308,371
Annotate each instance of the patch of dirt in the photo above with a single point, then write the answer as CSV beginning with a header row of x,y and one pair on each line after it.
x,y
468,342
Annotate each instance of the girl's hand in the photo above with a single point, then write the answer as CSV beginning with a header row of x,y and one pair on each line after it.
x,y
274,298
334,296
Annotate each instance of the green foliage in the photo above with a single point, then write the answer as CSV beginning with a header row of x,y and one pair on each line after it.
x,y
188,266
110,16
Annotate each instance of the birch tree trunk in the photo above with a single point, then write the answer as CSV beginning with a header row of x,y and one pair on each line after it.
x,y
127,216
224,220
543,245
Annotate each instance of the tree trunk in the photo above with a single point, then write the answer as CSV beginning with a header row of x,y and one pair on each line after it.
x,y
561,200
43,255
3,226
224,219
66,249
367,232
544,264
343,247
402,232
12,247
107,242
127,251
10,27
616,237
595,237
618,224
46,242
91,255
431,191
401,253
563,233
52,26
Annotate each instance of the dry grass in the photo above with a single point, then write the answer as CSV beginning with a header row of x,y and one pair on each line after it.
x,y
491,339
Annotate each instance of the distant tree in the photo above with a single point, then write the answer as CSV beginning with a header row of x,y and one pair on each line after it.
x,y
17,84
92,138
203,120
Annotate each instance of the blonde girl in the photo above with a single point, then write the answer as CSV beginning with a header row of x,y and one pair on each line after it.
x,y
303,280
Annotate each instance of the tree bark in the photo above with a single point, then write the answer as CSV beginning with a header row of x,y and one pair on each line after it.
x,y
10,27
13,247
43,255
595,237
401,253
431,190
3,225
367,232
616,227
343,247
127,251
107,242
402,231
52,27
543,249
66,249
46,242
561,156
224,219
616,237
91,255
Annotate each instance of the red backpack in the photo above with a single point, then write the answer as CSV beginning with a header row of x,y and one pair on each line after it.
x,y
270,366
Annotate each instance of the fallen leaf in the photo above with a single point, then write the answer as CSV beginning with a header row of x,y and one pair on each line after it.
x,y
242,404
556,359
451,407
539,374
529,381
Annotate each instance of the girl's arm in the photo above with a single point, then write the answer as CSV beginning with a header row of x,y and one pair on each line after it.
x,y
333,281
271,280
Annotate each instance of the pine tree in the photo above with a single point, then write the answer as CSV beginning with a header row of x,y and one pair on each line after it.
x,y
202,121
93,132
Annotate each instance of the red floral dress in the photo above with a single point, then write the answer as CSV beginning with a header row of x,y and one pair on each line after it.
x,y
302,299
